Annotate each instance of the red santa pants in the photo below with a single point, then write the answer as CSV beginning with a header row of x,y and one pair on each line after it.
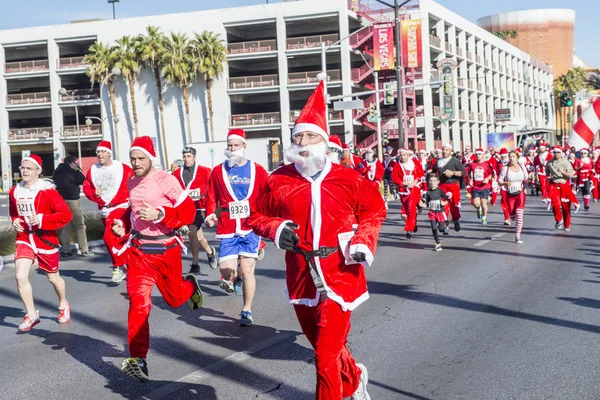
x,y
559,195
326,327
409,207
143,272
595,191
453,206
111,240
504,205
544,186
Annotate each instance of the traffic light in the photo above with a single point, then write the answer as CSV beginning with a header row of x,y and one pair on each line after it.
x,y
385,137
388,98
566,100
372,117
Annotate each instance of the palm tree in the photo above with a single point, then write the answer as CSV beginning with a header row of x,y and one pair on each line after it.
x,y
573,81
210,54
126,59
150,52
177,68
101,61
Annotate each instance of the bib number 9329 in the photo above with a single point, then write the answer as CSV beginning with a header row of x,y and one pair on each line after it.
x,y
239,209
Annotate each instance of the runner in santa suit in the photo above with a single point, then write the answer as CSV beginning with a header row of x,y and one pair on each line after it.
x,y
234,185
435,199
335,149
37,211
194,179
595,174
375,170
467,158
513,178
388,184
308,209
450,170
425,165
497,166
540,162
352,161
480,175
503,155
408,175
106,185
530,168
159,206
585,170
559,171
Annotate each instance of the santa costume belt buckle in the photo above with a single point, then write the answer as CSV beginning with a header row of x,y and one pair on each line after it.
x,y
322,252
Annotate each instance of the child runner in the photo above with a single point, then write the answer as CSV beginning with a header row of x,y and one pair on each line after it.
x,y
435,200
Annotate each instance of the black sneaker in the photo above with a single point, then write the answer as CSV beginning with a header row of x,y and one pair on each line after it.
x,y
66,254
197,298
457,226
416,229
586,207
135,368
409,235
194,269
212,258
246,318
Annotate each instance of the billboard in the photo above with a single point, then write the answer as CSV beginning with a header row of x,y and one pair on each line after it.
x,y
446,65
383,39
412,52
498,140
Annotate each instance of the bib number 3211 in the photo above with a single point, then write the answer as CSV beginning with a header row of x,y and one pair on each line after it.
x,y
25,207
239,209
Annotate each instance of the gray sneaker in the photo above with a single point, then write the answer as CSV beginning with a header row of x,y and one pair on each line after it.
x,y
212,258
118,274
361,392
86,254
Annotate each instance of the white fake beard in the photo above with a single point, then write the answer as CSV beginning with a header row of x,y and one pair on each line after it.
x,y
369,157
314,163
234,158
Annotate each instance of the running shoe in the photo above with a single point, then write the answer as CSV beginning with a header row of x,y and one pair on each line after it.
x,y
549,207
560,224
226,285
479,213
212,258
447,229
66,254
416,229
197,298
118,274
595,200
507,222
484,221
246,318
518,240
237,285
586,206
386,205
135,368
409,235
438,247
403,216
29,322
457,226
576,208
419,210
86,254
568,229
361,392
194,268
64,314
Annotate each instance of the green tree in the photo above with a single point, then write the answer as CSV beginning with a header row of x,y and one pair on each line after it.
x,y
178,69
150,49
574,81
126,59
210,55
101,60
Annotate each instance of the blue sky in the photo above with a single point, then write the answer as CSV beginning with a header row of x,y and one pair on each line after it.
x,y
44,12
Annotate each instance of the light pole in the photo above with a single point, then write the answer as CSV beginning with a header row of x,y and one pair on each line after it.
x,y
377,107
64,92
88,120
113,5
114,72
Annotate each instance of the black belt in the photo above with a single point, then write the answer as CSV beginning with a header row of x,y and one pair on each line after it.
x,y
46,242
154,248
309,256
322,252
137,235
113,205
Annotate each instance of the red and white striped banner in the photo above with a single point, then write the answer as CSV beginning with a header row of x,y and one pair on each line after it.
x,y
586,127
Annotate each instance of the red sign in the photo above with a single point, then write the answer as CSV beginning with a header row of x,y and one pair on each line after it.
x,y
412,47
383,38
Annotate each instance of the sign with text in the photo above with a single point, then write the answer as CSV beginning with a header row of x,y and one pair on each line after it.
x,y
446,66
412,47
502,114
383,39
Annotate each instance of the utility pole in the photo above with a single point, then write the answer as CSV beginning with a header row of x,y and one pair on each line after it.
x,y
113,6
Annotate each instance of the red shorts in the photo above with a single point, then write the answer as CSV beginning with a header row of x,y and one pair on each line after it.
x,y
437,216
46,262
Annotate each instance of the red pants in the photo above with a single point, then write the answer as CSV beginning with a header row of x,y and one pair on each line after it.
x,y
504,205
494,197
453,206
559,195
143,272
595,192
111,240
409,207
544,186
513,203
326,327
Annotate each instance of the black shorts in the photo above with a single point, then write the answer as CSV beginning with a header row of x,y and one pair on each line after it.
x,y
199,220
482,194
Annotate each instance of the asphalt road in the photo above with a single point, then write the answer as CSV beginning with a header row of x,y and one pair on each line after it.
x,y
483,319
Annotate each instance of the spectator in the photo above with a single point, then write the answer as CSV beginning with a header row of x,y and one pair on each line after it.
x,y
68,177
174,167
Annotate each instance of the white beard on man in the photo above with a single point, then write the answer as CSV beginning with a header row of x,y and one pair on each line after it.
x,y
234,158
313,162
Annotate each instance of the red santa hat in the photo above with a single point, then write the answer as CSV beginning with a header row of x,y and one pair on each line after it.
x,y
533,148
584,149
34,159
557,149
407,151
104,145
145,145
422,151
519,150
335,142
467,147
543,144
313,116
238,134
345,146
503,151
479,151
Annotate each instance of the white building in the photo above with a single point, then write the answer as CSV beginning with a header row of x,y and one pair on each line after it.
x,y
274,57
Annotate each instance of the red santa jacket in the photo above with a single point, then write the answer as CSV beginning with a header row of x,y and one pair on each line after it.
x,y
220,192
468,159
586,167
402,174
198,186
53,213
324,208
540,164
108,200
529,164
356,163
374,171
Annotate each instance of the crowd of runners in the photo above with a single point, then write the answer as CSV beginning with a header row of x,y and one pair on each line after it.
x,y
324,206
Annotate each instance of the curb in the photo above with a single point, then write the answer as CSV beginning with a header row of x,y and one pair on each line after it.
x,y
94,244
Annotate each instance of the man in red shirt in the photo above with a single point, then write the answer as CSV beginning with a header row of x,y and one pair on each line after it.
x,y
479,175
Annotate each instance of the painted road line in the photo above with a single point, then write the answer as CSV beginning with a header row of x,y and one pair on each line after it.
x,y
483,242
199,375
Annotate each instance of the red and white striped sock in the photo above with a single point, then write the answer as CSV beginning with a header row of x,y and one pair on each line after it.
x,y
519,222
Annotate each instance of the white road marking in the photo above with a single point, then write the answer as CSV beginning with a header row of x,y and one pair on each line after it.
x,y
483,242
203,373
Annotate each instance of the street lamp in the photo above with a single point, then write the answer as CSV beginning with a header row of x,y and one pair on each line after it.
x,y
64,92
113,5
89,122
116,71
377,108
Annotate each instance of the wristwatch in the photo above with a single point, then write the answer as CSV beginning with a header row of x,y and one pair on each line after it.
x,y
160,214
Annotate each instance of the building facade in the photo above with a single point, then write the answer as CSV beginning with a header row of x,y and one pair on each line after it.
x,y
274,56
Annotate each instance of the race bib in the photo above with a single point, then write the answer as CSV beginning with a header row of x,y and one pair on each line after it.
x,y
25,207
435,205
239,209
408,178
344,241
478,175
514,187
194,194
